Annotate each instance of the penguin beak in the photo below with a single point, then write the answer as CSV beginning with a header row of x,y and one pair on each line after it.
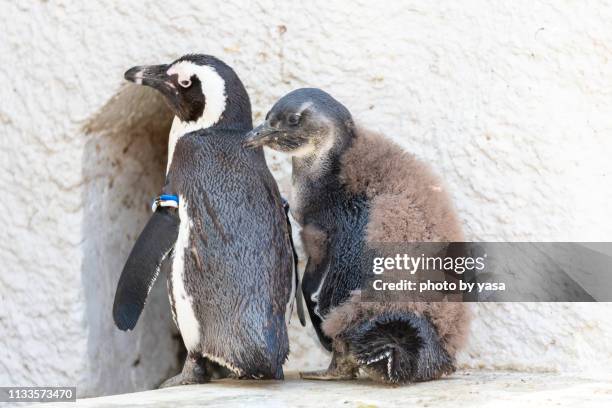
x,y
155,76
260,136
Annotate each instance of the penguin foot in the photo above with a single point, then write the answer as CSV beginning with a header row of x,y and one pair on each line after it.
x,y
342,367
327,375
180,379
194,372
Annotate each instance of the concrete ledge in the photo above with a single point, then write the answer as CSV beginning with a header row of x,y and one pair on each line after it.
x,y
464,389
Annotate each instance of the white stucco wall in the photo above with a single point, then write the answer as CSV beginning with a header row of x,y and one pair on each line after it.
x,y
509,101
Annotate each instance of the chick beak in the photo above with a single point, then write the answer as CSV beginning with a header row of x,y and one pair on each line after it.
x,y
260,136
155,76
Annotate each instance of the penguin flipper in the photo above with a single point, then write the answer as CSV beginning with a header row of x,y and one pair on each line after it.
x,y
313,275
298,288
142,266
299,298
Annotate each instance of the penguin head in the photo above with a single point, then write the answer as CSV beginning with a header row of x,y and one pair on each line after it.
x,y
200,89
305,122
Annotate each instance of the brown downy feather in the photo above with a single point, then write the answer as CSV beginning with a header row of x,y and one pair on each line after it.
x,y
408,204
315,242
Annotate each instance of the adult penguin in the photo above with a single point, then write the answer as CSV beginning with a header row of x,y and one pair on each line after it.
x,y
222,218
352,190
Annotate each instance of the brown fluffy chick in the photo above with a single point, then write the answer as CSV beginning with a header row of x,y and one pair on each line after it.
x,y
353,189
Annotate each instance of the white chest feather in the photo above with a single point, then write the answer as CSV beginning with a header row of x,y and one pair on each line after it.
x,y
176,131
185,316
315,296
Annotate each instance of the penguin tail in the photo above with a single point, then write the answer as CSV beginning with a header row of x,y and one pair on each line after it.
x,y
277,342
398,347
264,360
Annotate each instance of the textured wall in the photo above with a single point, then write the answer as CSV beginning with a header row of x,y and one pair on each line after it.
x,y
510,102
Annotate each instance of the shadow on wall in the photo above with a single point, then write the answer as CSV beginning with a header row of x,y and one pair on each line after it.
x,y
123,167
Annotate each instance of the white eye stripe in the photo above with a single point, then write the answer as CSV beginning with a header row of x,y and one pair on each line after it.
x,y
212,86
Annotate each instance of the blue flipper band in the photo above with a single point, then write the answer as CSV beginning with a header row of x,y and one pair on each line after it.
x,y
165,200
165,197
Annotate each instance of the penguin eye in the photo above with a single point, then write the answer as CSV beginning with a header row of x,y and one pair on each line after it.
x,y
185,83
293,119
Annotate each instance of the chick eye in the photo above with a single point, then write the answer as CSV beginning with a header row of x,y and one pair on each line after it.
x,y
185,83
293,119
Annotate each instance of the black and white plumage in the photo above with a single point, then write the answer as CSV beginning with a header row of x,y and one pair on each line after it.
x,y
353,189
232,260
